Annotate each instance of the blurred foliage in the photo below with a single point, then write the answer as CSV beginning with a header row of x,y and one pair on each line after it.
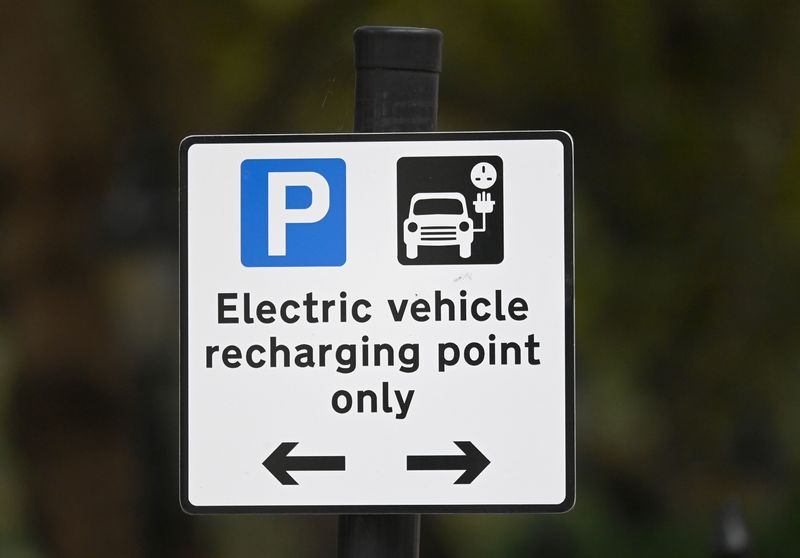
x,y
686,123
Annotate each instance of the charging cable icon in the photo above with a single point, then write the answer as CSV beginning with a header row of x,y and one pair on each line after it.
x,y
441,218
483,176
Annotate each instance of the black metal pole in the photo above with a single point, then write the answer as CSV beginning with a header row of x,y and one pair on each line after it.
x,y
397,90
379,536
397,78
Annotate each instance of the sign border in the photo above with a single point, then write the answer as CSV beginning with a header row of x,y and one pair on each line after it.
x,y
569,285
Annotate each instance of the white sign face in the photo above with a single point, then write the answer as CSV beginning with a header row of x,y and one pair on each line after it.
x,y
377,323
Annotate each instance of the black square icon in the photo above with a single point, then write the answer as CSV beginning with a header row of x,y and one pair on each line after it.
x,y
450,210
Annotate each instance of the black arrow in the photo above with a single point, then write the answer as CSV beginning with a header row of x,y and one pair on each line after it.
x,y
279,463
473,462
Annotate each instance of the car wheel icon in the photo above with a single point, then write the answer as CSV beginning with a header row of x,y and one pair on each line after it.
x,y
412,251
464,250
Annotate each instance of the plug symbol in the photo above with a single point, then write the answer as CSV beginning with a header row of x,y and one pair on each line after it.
x,y
484,204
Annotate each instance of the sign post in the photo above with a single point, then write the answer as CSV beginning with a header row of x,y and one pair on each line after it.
x,y
397,90
378,325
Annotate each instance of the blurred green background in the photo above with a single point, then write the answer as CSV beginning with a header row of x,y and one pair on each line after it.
x,y
686,121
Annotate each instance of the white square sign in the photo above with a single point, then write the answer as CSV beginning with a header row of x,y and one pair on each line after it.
x,y
377,323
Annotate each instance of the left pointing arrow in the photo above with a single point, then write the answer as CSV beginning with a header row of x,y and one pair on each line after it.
x,y
279,463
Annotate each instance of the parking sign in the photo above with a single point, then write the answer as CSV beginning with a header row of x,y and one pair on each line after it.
x,y
377,323
293,212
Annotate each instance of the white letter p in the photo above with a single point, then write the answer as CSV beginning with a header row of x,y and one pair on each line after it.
x,y
280,215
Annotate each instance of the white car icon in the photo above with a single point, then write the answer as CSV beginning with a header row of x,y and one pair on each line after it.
x,y
438,219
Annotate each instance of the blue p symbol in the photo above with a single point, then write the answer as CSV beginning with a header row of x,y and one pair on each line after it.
x,y
293,212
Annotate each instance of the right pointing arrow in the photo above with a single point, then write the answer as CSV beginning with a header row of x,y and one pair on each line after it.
x,y
473,462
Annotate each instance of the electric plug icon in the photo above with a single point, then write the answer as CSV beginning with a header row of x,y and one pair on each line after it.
x,y
484,204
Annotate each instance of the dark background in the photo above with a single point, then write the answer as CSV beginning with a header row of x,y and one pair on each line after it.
x,y
686,119
451,174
